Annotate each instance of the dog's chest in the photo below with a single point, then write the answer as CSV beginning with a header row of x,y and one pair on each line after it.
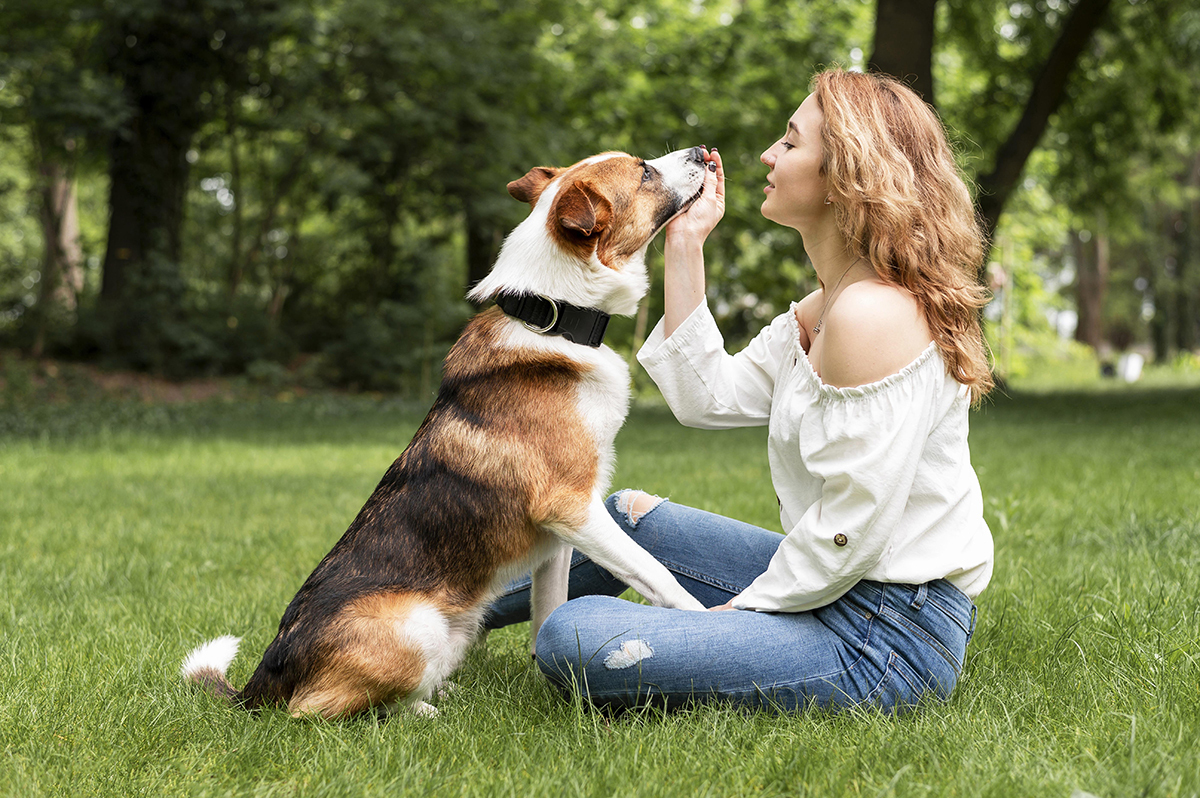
x,y
603,402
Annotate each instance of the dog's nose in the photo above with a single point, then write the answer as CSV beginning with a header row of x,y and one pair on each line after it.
x,y
696,155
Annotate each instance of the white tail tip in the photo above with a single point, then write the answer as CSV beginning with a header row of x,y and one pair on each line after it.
x,y
213,655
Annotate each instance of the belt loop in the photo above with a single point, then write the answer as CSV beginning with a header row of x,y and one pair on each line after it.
x,y
919,600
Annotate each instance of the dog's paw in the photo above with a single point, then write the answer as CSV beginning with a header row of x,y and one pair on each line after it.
x,y
446,689
423,710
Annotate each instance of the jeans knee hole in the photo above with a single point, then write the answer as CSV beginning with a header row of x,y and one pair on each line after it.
x,y
634,504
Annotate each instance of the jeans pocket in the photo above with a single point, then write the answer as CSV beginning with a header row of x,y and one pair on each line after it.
x,y
902,688
921,636
898,689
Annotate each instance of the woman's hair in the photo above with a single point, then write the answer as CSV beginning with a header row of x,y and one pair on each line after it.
x,y
902,204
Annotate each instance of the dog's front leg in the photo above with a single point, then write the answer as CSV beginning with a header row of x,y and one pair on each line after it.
x,y
548,590
608,545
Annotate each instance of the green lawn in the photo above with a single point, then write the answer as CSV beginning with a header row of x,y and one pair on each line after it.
x,y
129,533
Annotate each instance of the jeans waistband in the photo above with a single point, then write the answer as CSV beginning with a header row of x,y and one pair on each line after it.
x,y
945,595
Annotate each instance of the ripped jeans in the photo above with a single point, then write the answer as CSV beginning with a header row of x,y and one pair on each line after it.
x,y
890,646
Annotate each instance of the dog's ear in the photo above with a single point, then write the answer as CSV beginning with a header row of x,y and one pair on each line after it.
x,y
582,210
529,187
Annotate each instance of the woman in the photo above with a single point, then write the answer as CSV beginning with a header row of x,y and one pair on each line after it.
x,y
865,385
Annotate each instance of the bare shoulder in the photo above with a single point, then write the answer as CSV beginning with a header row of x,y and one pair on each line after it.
x,y
872,331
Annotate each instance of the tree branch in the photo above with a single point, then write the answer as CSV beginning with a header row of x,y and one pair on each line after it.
x,y
1047,95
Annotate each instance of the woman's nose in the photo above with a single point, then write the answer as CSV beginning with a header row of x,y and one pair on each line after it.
x,y
767,158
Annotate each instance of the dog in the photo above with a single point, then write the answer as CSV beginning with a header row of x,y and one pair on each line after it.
x,y
507,473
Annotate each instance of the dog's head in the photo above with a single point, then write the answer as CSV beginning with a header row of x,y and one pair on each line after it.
x,y
613,204
585,239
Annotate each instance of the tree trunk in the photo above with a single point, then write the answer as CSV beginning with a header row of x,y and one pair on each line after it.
x,y
1185,295
1160,335
1187,333
484,237
236,261
1091,283
142,291
903,46
281,275
1158,280
1048,91
148,170
62,265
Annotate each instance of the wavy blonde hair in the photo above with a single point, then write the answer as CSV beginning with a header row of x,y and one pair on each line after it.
x,y
902,204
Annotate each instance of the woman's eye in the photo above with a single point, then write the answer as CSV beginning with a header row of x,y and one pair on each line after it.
x,y
787,146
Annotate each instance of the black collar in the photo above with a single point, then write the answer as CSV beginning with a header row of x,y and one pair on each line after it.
x,y
555,317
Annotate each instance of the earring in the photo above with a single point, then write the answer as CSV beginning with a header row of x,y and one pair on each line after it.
x,y
827,202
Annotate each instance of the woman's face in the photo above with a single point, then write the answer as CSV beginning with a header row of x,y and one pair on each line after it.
x,y
796,189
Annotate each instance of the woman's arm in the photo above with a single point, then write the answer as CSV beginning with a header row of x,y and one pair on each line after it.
x,y
685,355
707,387
684,251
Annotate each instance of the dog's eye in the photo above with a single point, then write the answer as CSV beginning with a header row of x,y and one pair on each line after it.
x,y
647,174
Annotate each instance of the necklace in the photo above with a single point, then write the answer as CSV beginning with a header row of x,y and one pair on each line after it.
x,y
821,320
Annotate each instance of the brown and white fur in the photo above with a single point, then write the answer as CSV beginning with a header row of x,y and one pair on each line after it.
x,y
507,473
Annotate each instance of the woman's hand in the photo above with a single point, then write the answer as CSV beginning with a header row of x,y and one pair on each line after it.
x,y
728,605
684,251
699,220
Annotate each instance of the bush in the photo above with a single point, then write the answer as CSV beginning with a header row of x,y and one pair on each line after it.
x,y
210,336
392,347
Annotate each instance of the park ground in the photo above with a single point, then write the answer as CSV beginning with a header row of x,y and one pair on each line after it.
x,y
138,518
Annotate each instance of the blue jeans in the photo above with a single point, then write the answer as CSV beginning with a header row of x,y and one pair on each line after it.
x,y
882,644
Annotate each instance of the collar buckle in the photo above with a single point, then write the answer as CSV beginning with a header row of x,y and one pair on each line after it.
x,y
553,317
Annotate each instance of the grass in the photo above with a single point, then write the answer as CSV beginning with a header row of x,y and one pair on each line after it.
x,y
129,532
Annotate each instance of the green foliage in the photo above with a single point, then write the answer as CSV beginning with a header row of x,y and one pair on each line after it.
x,y
1025,271
20,246
338,162
386,347
1133,105
66,102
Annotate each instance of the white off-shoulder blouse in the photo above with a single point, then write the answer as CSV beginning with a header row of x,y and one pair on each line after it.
x,y
874,482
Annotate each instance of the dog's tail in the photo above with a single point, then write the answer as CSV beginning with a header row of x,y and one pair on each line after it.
x,y
207,663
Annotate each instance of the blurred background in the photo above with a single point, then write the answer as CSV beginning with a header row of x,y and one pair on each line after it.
x,y
300,193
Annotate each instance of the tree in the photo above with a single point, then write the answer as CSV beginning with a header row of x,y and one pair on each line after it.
x,y
1126,158
904,43
65,107
1045,97
1107,88
325,176
1090,251
169,56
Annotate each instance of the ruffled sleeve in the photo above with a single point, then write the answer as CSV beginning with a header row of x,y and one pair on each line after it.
x,y
703,384
864,446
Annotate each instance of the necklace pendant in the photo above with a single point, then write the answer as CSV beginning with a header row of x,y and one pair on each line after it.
x,y
817,329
